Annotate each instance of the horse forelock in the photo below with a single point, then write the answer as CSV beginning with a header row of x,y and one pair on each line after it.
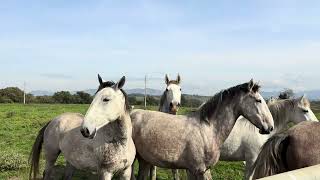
x,y
173,82
109,84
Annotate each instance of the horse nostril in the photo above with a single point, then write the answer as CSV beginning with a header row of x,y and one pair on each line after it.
x,y
271,129
85,132
171,104
179,104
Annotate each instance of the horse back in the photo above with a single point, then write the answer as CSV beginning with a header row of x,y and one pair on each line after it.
x,y
304,144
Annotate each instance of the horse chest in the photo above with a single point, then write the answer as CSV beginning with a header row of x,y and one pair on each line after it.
x,y
113,156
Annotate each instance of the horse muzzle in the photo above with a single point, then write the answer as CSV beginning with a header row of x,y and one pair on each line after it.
x,y
85,132
174,108
265,131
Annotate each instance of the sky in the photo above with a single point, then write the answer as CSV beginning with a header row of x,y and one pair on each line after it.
x,y
63,45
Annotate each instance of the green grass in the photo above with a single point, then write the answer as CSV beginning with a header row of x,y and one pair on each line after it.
x,y
19,125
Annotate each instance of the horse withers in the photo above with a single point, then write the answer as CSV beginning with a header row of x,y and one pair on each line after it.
x,y
99,141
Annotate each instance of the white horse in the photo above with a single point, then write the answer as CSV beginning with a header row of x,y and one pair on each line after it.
x,y
170,102
105,145
244,141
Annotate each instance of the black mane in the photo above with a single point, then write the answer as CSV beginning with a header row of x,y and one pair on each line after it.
x,y
208,109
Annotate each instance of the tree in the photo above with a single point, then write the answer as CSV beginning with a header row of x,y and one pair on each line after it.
x,y
44,99
63,97
132,100
82,98
152,101
11,95
286,94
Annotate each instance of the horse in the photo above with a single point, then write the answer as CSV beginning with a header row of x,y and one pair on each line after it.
x,y
193,141
99,141
244,142
170,102
293,149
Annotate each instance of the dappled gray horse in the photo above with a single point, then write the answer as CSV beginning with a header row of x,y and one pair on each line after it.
x,y
244,141
192,142
170,102
296,148
99,141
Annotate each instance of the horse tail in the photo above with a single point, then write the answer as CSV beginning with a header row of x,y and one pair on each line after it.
x,y
272,157
35,153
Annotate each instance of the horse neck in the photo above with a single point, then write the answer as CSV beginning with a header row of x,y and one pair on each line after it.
x,y
164,105
125,126
280,112
223,121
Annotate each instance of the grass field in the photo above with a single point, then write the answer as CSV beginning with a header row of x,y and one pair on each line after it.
x,y
19,125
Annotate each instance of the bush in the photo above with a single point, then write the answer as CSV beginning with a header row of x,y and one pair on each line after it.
x,y
12,161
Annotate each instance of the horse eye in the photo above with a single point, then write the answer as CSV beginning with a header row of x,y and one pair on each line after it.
x,y
167,89
105,99
305,110
180,89
258,100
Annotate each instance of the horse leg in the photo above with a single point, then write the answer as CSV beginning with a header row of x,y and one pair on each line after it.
x,y
190,175
125,174
144,168
249,164
199,175
105,175
175,173
51,158
68,172
153,172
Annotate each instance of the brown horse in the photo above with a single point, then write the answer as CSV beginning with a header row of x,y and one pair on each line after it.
x,y
296,148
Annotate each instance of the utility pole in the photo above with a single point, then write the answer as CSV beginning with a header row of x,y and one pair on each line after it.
x,y
145,92
24,93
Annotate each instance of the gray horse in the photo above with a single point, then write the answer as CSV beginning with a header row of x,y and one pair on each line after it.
x,y
294,149
244,141
170,102
192,142
105,145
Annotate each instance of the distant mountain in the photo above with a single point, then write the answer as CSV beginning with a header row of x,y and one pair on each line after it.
x,y
42,93
153,92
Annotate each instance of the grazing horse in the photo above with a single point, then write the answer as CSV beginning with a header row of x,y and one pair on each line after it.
x,y
170,102
192,142
101,140
296,148
244,143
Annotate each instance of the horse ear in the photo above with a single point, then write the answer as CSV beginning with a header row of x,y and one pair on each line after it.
x,y
302,98
167,79
178,79
250,85
100,79
120,83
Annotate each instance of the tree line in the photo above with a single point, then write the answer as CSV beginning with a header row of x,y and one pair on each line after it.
x,y
15,95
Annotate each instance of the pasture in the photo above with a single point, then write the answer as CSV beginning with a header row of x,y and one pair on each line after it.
x,y
20,124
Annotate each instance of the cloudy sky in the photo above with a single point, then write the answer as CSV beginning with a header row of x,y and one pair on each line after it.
x,y
62,45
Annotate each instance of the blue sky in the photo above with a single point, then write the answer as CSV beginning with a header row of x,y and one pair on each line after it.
x,y
62,45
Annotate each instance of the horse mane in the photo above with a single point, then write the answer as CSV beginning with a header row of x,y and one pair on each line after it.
x,y
110,84
272,157
211,107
